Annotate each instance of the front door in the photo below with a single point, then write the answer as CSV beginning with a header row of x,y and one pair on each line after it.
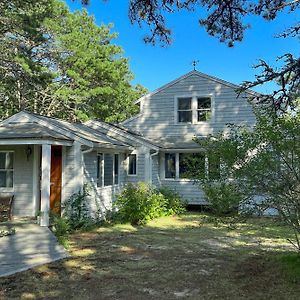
x,y
55,178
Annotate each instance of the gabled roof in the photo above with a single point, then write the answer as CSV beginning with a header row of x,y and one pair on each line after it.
x,y
30,125
200,74
30,130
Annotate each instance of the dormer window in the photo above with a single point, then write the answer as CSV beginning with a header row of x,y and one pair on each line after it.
x,y
193,110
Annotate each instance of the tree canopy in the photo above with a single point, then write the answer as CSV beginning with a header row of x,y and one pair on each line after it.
x,y
62,64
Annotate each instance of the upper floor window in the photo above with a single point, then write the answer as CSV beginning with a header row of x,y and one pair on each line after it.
x,y
6,169
185,112
203,109
193,109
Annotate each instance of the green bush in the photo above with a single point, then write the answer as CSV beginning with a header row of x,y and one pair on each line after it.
x,y
141,203
223,196
76,211
174,203
61,229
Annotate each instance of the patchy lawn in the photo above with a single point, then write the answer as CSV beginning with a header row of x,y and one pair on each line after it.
x,y
183,257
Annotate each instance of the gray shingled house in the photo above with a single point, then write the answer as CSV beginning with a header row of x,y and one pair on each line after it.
x,y
43,161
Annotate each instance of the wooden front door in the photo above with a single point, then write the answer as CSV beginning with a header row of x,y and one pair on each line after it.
x,y
55,178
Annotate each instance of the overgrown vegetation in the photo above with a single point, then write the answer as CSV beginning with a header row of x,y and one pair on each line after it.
x,y
141,203
75,216
263,165
175,257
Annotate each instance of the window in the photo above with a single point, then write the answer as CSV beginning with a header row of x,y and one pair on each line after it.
x,y
116,169
107,169
185,112
99,169
193,109
191,164
170,165
6,169
203,109
132,164
187,165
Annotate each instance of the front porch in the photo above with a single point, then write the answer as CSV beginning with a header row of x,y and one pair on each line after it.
x,y
32,171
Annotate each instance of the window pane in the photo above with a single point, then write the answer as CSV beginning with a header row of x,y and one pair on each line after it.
x,y
204,102
213,167
2,178
2,160
184,103
185,116
99,169
116,170
170,171
108,169
132,164
204,115
9,178
191,165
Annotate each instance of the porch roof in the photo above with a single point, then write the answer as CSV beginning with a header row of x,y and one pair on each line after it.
x,y
28,130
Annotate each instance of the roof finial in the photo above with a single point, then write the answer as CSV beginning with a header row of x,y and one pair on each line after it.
x,y
194,64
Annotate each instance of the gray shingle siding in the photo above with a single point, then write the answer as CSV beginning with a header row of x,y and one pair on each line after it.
x,y
157,122
23,181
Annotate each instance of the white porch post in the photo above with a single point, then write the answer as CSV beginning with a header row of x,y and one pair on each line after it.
x,y
45,185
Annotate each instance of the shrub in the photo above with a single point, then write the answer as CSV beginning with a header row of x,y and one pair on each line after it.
x,y
76,212
139,203
223,196
174,202
61,229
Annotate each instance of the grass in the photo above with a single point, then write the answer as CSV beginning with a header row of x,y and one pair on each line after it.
x,y
186,257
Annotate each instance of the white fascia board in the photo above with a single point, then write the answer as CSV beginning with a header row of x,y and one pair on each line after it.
x,y
34,142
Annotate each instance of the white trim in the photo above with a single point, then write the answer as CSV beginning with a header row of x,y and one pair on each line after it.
x,y
45,184
136,164
36,179
34,142
194,108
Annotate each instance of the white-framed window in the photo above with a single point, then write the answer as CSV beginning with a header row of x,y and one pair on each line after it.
x,y
6,169
184,110
193,109
132,164
107,169
184,165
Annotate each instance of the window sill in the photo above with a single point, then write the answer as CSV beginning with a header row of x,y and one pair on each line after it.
x,y
6,190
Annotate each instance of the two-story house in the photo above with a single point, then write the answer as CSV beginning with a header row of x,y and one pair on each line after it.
x,y
43,161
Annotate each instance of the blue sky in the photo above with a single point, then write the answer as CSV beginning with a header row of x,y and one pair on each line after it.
x,y
154,66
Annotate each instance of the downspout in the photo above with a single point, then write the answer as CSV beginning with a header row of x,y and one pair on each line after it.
x,y
150,169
